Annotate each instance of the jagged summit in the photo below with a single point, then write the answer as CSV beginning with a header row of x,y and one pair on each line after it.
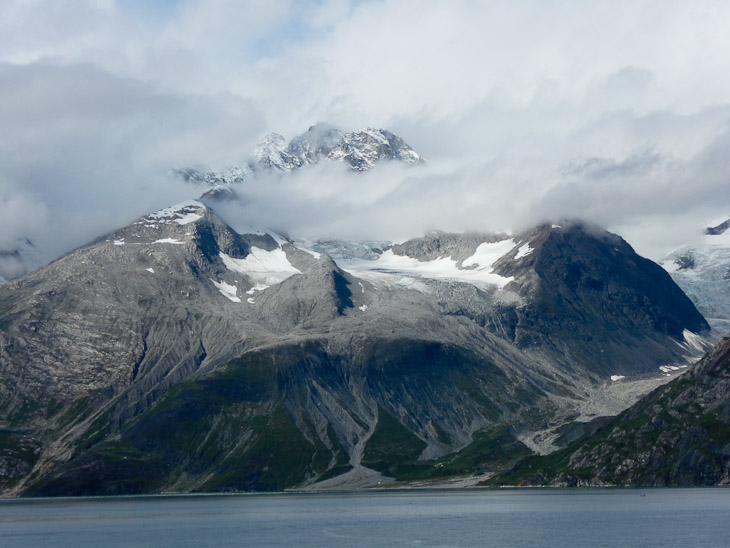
x,y
316,143
361,150
271,154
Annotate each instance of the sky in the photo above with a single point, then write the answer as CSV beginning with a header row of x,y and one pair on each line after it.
x,y
616,112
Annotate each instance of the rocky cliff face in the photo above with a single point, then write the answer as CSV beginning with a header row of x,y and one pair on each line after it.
x,y
178,355
678,435
588,294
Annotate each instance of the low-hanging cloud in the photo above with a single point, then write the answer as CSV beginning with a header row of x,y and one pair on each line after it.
x,y
616,112
91,151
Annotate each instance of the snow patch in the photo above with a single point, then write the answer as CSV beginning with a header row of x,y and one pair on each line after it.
x,y
227,290
183,213
260,231
150,270
489,253
168,241
362,287
670,368
175,210
524,251
250,300
363,307
693,340
264,268
615,378
257,287
443,268
314,254
119,242
187,218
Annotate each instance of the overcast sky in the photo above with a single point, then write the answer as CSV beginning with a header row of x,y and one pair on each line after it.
x,y
614,111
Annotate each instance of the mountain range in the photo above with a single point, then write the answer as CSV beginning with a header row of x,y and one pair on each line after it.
x,y
177,354
360,150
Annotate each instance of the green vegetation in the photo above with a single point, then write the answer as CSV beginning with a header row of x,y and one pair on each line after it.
x,y
491,450
109,468
394,450
278,457
391,445
668,438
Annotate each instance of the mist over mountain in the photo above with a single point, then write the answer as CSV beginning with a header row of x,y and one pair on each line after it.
x,y
360,150
101,100
451,274
174,353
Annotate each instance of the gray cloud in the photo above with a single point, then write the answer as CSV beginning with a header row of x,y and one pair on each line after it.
x,y
91,151
614,111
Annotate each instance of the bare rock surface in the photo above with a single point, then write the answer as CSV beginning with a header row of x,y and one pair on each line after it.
x,y
176,354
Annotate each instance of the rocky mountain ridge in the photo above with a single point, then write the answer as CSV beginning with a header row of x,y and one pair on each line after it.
x,y
679,435
176,354
360,150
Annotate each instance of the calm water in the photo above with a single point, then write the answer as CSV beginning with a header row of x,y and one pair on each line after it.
x,y
530,518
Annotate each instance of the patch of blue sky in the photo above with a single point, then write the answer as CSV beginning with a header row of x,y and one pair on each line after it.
x,y
151,11
294,29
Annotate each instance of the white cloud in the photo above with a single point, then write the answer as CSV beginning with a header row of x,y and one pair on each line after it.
x,y
616,111
93,150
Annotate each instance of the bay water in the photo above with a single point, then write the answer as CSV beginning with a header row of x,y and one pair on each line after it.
x,y
435,518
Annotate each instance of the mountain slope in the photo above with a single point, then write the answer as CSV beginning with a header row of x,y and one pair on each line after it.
x,y
589,290
678,435
702,270
178,355
572,291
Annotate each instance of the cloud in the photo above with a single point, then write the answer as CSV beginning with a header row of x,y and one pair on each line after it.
x,y
93,150
615,111
21,215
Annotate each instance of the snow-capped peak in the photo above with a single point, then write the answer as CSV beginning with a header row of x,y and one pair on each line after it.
x,y
270,154
317,142
182,213
361,150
